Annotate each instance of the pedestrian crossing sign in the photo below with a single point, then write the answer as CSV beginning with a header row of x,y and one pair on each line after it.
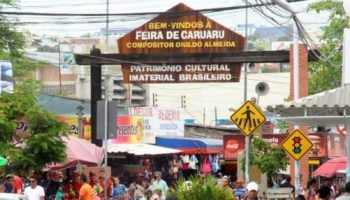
x,y
248,118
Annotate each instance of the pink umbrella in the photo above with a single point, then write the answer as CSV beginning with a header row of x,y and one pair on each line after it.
x,y
329,168
80,151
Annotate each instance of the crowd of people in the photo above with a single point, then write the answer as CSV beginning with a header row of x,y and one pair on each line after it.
x,y
151,187
93,187
84,187
327,189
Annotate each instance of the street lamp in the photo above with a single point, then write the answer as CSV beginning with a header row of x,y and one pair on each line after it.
x,y
346,79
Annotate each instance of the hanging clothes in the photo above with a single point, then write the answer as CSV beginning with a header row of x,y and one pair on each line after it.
x,y
215,164
185,160
193,162
206,165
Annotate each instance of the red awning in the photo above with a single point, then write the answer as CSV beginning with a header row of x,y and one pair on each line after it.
x,y
329,168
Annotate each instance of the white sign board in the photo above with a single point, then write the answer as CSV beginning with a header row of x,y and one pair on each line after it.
x,y
160,121
279,193
6,77
67,62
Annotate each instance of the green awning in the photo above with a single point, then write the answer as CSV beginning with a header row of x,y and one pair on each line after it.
x,y
3,161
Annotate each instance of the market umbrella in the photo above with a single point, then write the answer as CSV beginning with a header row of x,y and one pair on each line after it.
x,y
80,151
329,168
3,161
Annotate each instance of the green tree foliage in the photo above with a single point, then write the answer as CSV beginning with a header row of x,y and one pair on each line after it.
x,y
269,159
40,143
326,73
196,190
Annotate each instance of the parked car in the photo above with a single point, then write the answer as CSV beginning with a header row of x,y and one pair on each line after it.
x,y
10,196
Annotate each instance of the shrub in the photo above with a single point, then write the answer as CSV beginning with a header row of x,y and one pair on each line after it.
x,y
195,190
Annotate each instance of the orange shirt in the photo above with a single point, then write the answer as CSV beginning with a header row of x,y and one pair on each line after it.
x,y
85,192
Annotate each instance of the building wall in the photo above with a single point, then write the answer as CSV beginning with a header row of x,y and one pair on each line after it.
x,y
50,73
196,131
50,77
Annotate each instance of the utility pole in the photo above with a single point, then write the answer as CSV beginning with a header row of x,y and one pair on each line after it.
x,y
106,133
346,81
296,97
107,22
183,101
247,138
96,93
155,99
59,66
204,116
216,116
80,121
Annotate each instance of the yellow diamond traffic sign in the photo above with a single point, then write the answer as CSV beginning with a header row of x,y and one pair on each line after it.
x,y
248,118
297,145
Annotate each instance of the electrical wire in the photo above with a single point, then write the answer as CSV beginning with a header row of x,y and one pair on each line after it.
x,y
168,14
271,20
303,34
307,40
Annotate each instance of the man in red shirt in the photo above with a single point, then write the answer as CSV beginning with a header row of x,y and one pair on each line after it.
x,y
18,184
72,189
102,184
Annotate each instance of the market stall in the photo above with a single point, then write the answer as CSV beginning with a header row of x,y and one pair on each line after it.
x,y
199,155
192,145
79,151
137,158
141,149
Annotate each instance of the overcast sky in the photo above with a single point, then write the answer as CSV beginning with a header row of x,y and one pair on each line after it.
x,y
75,26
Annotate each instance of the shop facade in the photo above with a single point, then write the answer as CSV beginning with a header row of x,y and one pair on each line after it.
x,y
326,145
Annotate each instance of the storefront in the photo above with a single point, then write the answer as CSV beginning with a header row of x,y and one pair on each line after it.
x,y
136,158
199,155
325,146
191,145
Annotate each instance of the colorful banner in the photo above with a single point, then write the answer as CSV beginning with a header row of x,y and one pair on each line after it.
x,y
159,121
129,130
73,123
6,77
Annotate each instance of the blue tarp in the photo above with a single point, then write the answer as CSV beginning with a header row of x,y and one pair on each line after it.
x,y
191,145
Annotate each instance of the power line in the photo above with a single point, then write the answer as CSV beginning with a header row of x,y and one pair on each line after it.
x,y
178,13
87,20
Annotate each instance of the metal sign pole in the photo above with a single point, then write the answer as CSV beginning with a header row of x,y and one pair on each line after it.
x,y
296,96
346,80
105,136
247,138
